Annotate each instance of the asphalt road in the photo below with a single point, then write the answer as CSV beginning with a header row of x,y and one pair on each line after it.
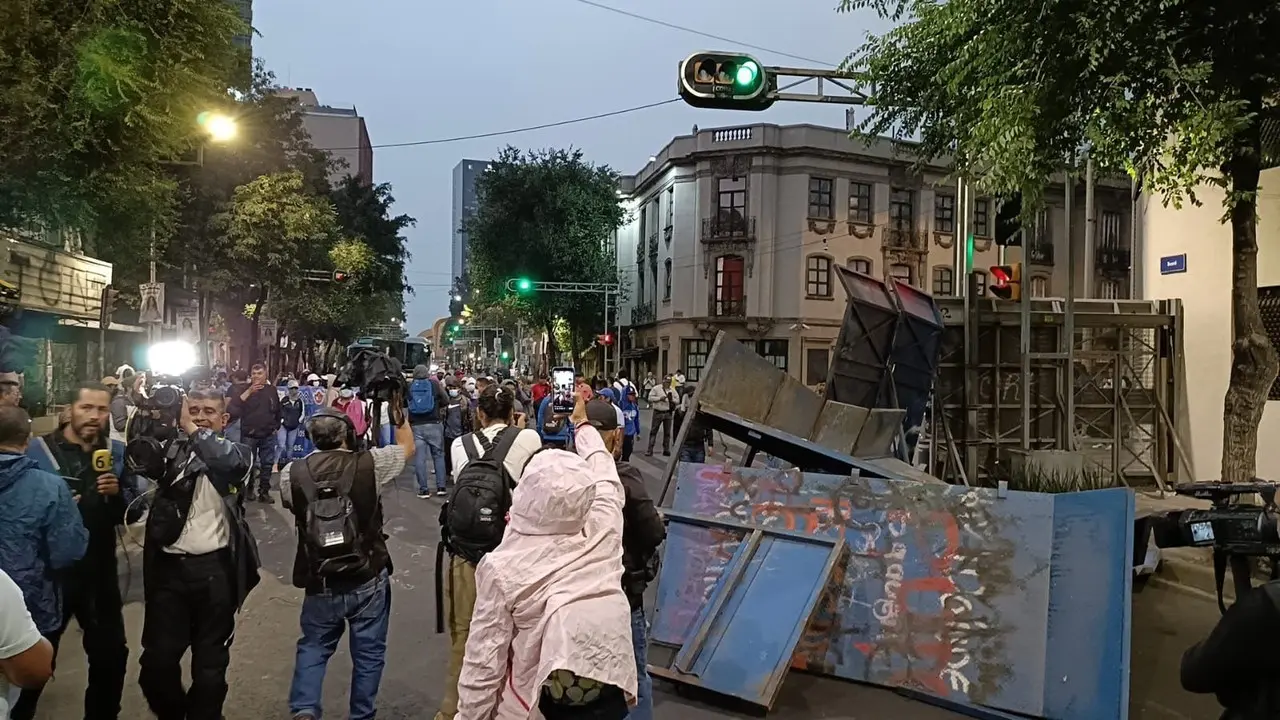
x,y
1165,622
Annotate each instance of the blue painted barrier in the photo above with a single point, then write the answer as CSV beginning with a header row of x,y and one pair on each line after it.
x,y
1017,603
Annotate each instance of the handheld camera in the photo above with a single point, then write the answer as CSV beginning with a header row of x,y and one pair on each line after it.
x,y
1236,530
151,435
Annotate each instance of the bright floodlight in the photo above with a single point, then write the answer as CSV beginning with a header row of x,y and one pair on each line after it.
x,y
221,128
171,358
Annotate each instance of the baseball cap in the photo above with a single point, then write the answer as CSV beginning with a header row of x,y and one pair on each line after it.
x,y
602,416
293,383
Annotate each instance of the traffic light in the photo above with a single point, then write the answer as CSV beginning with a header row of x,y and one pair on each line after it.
x,y
726,81
341,276
606,339
110,298
1006,281
506,355
524,285
1008,221
455,305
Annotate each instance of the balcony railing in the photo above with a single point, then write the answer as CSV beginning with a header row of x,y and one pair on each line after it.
x,y
1040,252
902,239
728,226
642,314
1114,260
729,308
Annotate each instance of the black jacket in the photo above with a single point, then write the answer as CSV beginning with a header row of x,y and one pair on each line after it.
x,y
101,513
291,412
642,533
366,504
1238,662
259,416
226,465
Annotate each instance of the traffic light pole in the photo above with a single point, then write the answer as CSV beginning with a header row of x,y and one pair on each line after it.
x,y
606,289
823,77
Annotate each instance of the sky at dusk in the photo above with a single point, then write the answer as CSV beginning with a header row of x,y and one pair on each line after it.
x,y
430,69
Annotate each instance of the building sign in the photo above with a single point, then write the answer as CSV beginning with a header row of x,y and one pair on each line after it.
x,y
1173,264
151,309
54,281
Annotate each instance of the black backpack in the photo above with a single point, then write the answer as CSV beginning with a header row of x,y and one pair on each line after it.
x,y
474,519
331,536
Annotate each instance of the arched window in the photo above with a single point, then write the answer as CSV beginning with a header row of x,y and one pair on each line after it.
x,y
817,276
1039,286
730,279
902,273
859,264
666,279
943,280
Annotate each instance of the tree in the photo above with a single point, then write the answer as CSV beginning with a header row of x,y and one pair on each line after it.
x,y
1173,92
547,215
94,96
270,230
364,212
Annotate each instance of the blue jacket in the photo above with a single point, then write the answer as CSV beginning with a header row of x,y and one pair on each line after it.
x,y
545,414
630,413
40,533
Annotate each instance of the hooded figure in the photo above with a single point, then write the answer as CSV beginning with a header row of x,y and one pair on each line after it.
x,y
550,597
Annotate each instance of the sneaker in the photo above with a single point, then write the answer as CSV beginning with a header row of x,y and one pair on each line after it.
x,y
442,492
424,493
266,498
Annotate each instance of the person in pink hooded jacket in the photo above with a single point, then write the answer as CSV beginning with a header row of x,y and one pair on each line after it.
x,y
552,625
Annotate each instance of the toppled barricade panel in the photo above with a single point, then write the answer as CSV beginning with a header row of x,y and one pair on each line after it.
x,y
1018,603
742,639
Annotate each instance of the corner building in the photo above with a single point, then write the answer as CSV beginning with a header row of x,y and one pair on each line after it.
x,y
739,230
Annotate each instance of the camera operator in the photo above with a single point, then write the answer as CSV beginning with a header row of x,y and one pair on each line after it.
x,y
1238,661
90,588
257,407
199,564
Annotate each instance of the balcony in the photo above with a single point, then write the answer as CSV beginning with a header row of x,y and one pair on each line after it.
x,y
904,239
653,245
1040,252
1113,260
734,308
728,226
642,314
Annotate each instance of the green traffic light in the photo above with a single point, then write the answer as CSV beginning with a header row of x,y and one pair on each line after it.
x,y
746,75
968,255
505,354
524,284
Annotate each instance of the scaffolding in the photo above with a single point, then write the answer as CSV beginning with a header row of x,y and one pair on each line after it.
x,y
1117,416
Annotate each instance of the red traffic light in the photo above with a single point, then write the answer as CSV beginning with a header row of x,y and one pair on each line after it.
x,y
1006,281
1000,277
606,339
341,276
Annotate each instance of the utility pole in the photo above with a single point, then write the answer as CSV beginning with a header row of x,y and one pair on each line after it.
x,y
525,285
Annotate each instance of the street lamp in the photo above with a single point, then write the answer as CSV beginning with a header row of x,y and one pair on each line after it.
x,y
221,128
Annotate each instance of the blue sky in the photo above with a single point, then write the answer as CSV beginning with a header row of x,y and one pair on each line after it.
x,y
430,69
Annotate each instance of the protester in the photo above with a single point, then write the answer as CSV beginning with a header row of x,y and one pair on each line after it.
x,y
291,412
642,532
26,659
349,404
459,419
487,460
662,399
559,570
631,414
698,437
342,561
257,407
124,403
200,562
428,403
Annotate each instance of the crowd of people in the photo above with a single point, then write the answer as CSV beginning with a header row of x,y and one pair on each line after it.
x,y
548,537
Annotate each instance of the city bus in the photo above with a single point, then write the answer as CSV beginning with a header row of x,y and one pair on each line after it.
x,y
410,351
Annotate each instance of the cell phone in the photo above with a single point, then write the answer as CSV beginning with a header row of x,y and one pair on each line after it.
x,y
102,461
562,384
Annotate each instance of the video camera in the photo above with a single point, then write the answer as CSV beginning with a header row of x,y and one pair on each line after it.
x,y
1236,530
378,375
154,438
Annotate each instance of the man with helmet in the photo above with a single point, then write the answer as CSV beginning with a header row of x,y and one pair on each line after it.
x,y
342,561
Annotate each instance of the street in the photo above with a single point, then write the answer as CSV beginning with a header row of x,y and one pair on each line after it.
x,y
1165,622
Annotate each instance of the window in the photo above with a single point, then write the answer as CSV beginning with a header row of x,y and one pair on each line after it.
x,y
943,280
731,202
694,358
1109,290
671,205
666,279
944,213
820,192
901,273
859,264
644,217
817,276
817,361
1039,286
981,277
901,210
1110,230
640,283
982,218
860,209
654,208
729,286
775,351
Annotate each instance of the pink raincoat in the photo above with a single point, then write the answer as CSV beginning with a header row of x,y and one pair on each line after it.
x,y
550,596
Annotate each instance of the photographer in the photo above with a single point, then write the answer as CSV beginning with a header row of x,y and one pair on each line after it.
x,y
199,564
1238,661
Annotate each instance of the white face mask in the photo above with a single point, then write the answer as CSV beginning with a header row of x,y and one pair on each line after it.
x,y
346,393
453,393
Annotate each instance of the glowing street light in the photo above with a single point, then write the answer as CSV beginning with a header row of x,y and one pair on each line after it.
x,y
221,128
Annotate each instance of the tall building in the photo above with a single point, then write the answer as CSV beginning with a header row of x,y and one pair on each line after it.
x,y
740,229
339,130
465,174
245,8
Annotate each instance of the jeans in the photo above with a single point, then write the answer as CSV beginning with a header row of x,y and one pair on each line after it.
x,y
285,440
264,449
644,684
661,424
693,453
428,438
628,444
367,611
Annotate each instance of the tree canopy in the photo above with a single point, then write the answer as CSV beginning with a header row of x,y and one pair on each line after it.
x,y
1173,92
547,215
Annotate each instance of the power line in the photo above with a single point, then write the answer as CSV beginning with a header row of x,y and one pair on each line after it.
x,y
700,33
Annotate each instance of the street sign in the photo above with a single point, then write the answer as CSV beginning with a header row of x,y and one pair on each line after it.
x,y
1173,264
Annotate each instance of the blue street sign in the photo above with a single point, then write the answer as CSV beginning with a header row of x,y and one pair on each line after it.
x,y
1173,264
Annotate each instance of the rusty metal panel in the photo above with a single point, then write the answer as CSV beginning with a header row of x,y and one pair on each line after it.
x,y
945,589
737,380
876,438
794,408
54,281
741,642
838,426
